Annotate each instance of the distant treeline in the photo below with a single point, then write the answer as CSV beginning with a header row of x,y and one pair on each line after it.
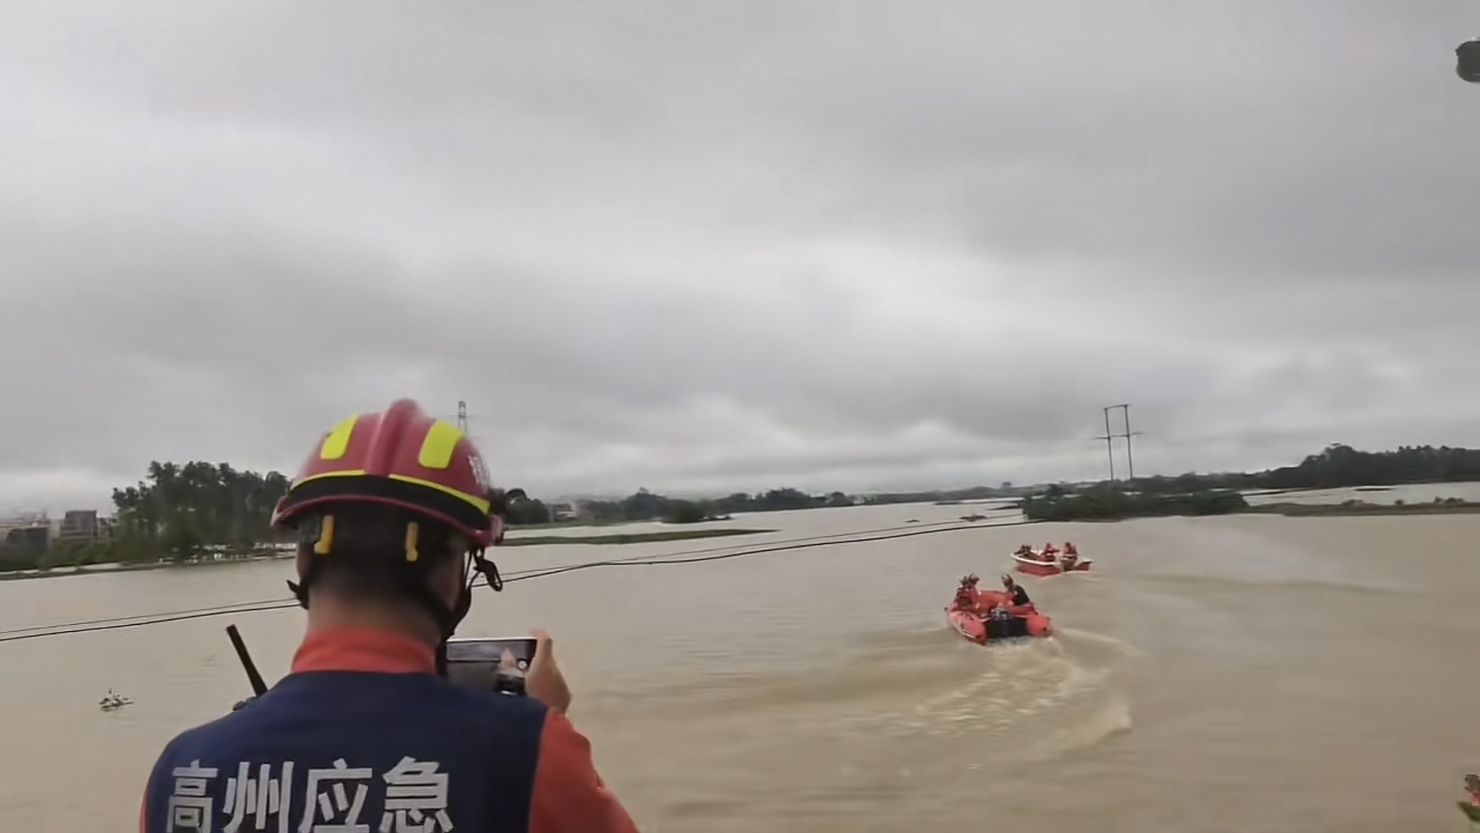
x,y
1108,502
1338,466
648,506
198,509
179,512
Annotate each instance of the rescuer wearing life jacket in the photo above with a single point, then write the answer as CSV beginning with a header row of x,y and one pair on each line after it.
x,y
1016,595
393,512
966,598
1070,556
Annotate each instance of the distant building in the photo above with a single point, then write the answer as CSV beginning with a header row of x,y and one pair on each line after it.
x,y
79,525
24,538
562,512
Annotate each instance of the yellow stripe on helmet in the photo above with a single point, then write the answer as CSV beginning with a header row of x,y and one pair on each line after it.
x,y
440,442
337,442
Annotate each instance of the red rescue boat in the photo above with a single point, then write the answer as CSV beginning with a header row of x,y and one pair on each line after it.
x,y
984,616
1049,561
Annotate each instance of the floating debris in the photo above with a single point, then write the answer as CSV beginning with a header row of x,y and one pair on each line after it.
x,y
112,701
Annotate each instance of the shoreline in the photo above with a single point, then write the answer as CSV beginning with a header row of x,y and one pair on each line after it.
x,y
622,538
525,541
133,567
1359,509
1307,510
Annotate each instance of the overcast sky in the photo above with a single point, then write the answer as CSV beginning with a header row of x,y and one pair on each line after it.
x,y
713,246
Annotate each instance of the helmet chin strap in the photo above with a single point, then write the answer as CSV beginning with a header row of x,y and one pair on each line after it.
x,y
478,564
447,618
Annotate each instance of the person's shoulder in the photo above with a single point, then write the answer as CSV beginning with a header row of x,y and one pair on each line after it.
x,y
249,718
480,715
492,707
199,743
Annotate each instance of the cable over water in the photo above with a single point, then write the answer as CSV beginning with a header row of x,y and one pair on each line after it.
x,y
698,556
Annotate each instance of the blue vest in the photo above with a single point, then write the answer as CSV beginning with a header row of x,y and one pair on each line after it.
x,y
354,752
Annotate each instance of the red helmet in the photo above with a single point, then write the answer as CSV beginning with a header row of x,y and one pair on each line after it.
x,y
400,458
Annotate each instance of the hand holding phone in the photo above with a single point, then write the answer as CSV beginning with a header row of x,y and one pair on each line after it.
x,y
492,664
518,666
546,683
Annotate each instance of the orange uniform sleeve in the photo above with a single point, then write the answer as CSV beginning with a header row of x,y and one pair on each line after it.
x,y
569,797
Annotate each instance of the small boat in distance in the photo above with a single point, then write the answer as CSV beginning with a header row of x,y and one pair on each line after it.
x,y
1049,561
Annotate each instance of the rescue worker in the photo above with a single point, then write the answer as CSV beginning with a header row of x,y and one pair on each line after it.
x,y
393,515
966,598
1016,595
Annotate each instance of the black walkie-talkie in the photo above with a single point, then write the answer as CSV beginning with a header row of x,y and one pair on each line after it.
x,y
258,686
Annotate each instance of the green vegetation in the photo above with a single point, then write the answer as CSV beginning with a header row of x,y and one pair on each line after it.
x,y
179,514
205,512
1336,467
1106,502
628,538
184,512
649,506
686,512
1439,506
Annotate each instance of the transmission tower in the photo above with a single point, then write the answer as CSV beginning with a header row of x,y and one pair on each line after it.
x,y
1125,411
1110,437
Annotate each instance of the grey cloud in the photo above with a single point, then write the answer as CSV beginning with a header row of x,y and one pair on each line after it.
x,y
719,246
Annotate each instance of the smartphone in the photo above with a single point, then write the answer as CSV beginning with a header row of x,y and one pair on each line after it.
x,y
492,664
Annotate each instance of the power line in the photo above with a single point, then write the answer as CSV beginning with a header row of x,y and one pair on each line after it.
x,y
688,557
118,626
658,561
272,604
225,609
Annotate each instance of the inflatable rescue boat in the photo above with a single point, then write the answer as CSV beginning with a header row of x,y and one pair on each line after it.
x,y
988,617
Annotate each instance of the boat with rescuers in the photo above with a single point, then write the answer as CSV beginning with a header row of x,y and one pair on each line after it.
x,y
1050,561
983,616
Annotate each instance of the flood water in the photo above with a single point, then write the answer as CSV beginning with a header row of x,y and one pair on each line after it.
x,y
1226,674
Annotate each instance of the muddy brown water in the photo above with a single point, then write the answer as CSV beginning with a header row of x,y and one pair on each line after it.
x,y
1228,674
